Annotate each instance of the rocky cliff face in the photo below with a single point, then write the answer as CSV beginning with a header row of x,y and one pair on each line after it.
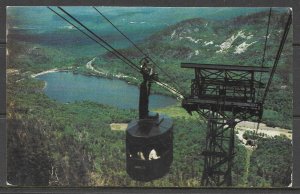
x,y
210,41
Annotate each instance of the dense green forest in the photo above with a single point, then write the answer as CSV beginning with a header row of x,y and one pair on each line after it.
x,y
72,144
271,170
56,144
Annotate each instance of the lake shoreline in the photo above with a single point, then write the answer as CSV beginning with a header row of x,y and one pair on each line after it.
x,y
106,74
67,87
45,72
96,73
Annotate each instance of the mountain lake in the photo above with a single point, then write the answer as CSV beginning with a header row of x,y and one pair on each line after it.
x,y
67,87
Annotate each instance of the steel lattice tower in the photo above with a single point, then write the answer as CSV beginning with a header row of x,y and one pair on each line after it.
x,y
224,95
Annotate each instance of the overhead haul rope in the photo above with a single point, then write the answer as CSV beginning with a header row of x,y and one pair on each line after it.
x,y
174,91
265,45
120,55
89,36
262,63
283,39
104,44
171,79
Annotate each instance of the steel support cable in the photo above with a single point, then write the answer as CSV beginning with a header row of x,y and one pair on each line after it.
x,y
74,26
77,28
265,45
263,61
120,55
89,36
119,31
283,39
139,49
123,58
171,89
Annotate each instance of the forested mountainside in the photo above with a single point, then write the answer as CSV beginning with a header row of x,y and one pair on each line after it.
x,y
239,41
50,143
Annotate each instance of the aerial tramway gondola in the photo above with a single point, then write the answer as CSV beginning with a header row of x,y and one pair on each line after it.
x,y
149,139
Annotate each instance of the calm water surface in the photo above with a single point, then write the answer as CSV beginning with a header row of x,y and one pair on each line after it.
x,y
68,87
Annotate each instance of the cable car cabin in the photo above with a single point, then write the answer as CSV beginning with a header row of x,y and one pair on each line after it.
x,y
149,147
149,140
231,86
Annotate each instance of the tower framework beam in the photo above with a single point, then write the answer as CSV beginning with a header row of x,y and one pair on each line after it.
x,y
224,95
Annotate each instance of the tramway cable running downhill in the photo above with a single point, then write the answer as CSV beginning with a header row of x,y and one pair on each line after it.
x,y
277,57
149,140
262,65
104,44
116,51
171,79
223,94
89,36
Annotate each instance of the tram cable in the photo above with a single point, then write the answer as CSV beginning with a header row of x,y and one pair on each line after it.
x,y
265,45
171,79
174,91
102,40
283,39
262,65
89,36
107,46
